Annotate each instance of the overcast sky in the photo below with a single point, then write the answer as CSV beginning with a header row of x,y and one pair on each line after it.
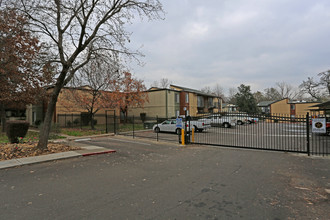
x,y
233,42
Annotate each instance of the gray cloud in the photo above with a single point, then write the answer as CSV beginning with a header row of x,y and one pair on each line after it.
x,y
255,42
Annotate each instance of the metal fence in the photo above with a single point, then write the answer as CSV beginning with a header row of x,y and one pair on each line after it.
x,y
265,132
112,123
252,131
82,121
145,128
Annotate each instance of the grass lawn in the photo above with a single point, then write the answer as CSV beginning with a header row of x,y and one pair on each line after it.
x,y
33,136
79,132
86,131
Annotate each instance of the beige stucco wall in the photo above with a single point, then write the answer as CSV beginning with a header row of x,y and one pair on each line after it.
x,y
193,104
218,108
157,106
303,108
35,110
283,108
280,108
66,104
154,107
173,107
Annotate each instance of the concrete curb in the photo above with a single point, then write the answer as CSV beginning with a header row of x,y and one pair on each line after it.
x,y
85,151
97,153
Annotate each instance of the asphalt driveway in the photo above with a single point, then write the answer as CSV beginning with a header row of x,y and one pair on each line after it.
x,y
153,180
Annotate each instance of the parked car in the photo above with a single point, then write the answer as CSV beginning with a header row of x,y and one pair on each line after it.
x,y
218,120
243,118
167,126
170,126
198,125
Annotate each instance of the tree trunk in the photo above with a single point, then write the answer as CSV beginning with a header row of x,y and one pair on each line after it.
x,y
125,115
3,118
92,121
44,133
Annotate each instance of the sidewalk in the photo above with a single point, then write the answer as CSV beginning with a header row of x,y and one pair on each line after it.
x,y
85,151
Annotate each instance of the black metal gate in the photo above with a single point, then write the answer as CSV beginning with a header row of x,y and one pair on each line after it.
x,y
263,132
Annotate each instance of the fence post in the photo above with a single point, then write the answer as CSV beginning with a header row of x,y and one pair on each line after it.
x,y
114,121
106,121
133,126
307,131
157,126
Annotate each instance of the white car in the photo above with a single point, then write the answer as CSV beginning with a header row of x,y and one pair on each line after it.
x,y
198,125
244,118
167,126
170,126
218,120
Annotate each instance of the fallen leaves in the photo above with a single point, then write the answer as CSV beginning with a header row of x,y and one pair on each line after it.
x,y
14,151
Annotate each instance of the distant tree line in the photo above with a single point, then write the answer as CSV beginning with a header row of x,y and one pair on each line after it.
x,y
313,90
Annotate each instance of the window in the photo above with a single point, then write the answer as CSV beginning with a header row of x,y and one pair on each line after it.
x,y
210,102
187,98
200,101
177,98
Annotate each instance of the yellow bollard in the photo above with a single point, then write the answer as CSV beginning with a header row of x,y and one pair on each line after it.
x,y
182,136
193,135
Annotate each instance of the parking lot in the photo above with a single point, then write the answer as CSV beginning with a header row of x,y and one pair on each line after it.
x,y
290,137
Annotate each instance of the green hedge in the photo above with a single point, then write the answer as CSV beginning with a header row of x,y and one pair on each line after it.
x,y
16,130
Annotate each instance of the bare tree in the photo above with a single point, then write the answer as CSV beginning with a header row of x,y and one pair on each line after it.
x,y
311,87
272,94
231,95
218,91
319,90
207,90
286,90
75,31
325,81
164,83
155,84
98,76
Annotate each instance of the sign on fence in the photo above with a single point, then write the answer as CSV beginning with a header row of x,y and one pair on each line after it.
x,y
179,122
319,125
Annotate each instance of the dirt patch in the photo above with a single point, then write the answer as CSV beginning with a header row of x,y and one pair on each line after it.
x,y
304,191
14,151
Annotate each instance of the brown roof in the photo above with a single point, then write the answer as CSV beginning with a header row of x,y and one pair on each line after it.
x,y
323,106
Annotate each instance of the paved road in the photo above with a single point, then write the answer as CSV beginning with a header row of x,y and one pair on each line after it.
x,y
149,180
